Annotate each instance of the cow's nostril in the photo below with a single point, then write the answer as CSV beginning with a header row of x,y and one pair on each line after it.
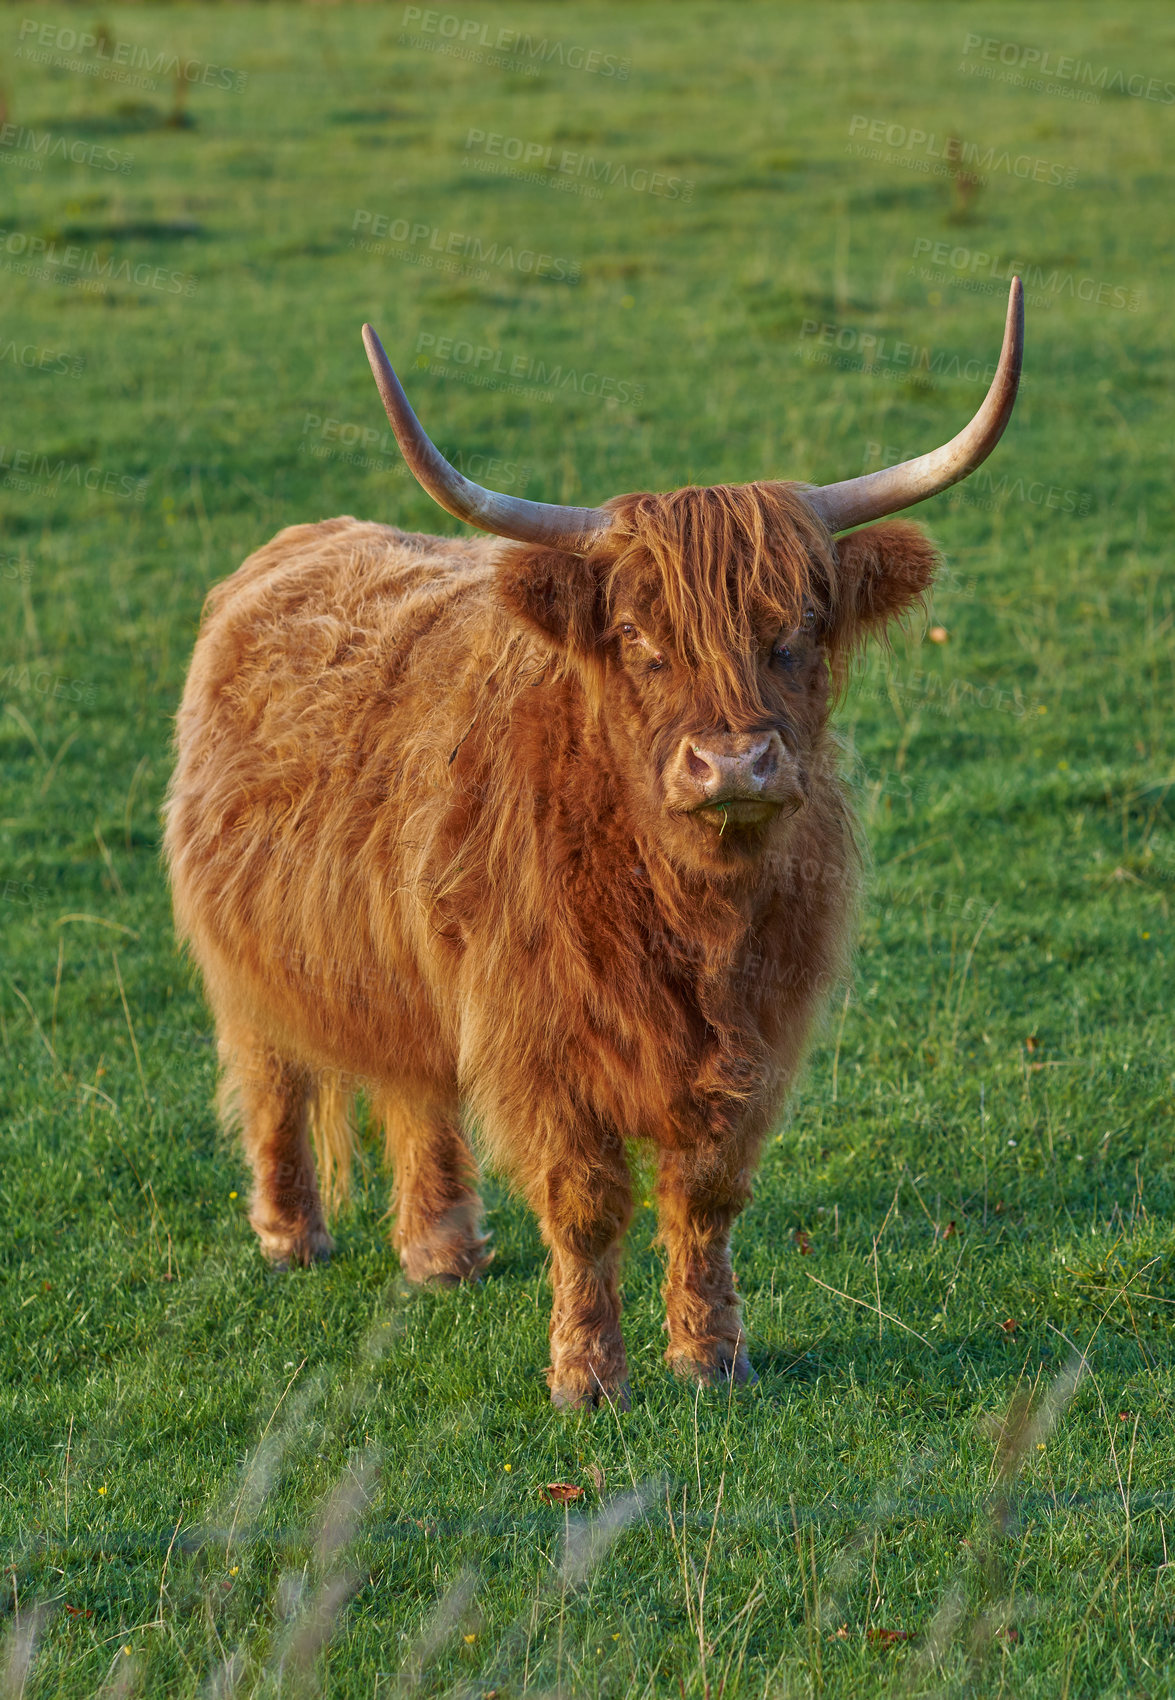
x,y
766,763
699,767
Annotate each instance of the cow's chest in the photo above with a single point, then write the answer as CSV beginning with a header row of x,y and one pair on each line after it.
x,y
671,1034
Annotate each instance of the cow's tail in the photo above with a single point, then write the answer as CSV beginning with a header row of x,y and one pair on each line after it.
x,y
333,1134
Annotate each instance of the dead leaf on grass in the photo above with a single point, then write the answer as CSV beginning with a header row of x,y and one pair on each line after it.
x,y
561,1493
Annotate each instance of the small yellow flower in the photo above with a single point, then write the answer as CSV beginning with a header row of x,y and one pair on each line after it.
x,y
234,1570
470,1638
507,1468
101,1491
232,1195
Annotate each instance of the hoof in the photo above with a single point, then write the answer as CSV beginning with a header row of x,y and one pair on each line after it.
x,y
295,1249
444,1266
718,1368
585,1391
452,1252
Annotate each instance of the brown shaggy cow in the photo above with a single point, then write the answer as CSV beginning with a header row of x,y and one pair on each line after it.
x,y
547,835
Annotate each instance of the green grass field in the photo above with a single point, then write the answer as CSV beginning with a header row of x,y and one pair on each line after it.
x,y
956,1473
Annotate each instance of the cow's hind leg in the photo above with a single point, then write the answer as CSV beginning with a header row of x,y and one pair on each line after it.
x,y
268,1097
698,1200
438,1211
585,1202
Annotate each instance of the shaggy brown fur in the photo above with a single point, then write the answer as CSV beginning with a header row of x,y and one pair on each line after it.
x,y
431,830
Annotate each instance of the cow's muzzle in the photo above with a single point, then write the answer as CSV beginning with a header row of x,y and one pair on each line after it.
x,y
734,780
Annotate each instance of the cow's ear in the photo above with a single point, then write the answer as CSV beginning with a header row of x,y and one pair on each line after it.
x,y
882,572
555,594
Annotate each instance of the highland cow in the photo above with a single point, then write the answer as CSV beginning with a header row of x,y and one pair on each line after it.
x,y
541,838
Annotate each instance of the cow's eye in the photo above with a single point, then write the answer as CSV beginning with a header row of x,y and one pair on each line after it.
x,y
809,618
629,632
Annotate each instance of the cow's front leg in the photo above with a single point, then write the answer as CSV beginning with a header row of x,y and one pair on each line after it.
x,y
586,1203
698,1197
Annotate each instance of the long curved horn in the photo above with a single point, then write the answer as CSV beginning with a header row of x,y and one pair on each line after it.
x,y
875,494
570,529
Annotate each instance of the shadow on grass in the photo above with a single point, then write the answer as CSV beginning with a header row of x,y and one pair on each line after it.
x,y
130,118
